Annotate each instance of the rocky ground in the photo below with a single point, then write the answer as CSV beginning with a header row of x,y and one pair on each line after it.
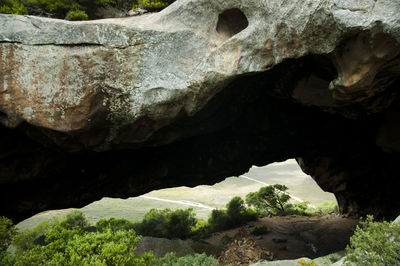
x,y
289,238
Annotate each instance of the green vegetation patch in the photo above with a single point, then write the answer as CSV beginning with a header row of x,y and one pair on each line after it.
x,y
259,230
79,9
374,243
12,7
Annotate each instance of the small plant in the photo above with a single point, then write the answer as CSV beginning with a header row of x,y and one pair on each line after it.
x,y
12,7
75,15
7,233
114,224
302,262
152,5
374,243
259,230
170,259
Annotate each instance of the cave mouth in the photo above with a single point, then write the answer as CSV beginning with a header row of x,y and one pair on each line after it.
x,y
254,120
231,22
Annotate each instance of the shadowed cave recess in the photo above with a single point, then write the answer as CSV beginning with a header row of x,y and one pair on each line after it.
x,y
255,120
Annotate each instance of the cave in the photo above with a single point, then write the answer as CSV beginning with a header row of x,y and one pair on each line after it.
x,y
141,105
249,122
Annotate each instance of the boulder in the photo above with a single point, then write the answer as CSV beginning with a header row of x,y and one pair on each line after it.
x,y
198,92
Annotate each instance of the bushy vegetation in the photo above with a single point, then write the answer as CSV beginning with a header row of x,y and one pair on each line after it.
x,y
273,200
76,15
259,230
328,207
79,9
167,223
68,242
72,241
269,200
374,243
196,259
7,233
12,7
235,215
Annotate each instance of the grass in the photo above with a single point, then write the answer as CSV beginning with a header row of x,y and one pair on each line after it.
x,y
133,209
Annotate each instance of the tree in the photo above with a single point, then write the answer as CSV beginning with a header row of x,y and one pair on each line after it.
x,y
270,200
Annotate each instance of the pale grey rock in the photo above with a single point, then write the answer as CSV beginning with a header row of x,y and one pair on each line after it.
x,y
336,259
111,74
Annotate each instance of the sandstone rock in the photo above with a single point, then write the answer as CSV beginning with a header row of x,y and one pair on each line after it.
x,y
195,93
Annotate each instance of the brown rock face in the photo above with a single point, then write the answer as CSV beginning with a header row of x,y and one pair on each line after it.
x,y
196,93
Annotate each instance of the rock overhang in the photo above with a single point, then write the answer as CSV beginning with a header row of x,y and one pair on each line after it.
x,y
320,76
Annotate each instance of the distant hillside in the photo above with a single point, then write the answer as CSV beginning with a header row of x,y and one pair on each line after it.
x,y
201,198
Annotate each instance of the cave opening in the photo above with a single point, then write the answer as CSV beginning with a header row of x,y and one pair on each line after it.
x,y
254,120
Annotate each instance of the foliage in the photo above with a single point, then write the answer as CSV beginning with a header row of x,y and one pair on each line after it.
x,y
12,7
7,233
271,200
374,243
328,207
77,9
259,230
170,259
302,262
167,223
300,208
114,224
25,239
74,219
235,215
76,15
67,242
152,5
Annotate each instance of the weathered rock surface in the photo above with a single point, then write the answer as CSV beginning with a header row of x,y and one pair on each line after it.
x,y
195,93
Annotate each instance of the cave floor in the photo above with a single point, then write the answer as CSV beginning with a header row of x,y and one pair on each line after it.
x,y
295,237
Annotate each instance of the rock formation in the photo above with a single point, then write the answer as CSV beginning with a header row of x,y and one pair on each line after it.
x,y
196,93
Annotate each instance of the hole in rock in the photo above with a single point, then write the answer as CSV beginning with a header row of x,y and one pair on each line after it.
x,y
288,238
231,22
3,115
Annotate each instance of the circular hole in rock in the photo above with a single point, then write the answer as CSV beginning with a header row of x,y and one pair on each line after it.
x,y
231,22
3,115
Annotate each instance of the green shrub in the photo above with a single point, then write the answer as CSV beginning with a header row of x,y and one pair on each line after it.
x,y
12,7
74,219
270,200
235,215
168,224
76,15
301,208
114,224
7,233
68,243
25,239
170,259
152,5
328,207
374,243
218,221
259,230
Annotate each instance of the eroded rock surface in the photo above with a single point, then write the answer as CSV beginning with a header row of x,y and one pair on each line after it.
x,y
198,92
